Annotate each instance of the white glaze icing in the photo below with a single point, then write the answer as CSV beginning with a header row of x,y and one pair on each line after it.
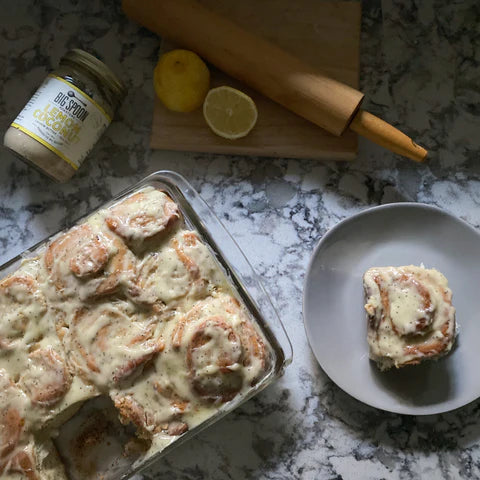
x,y
157,328
410,315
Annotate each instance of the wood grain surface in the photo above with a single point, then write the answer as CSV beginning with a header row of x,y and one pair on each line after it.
x,y
323,34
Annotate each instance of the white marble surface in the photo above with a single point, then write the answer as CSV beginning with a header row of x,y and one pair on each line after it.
x,y
420,69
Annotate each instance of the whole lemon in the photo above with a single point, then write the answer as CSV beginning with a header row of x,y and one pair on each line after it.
x,y
181,80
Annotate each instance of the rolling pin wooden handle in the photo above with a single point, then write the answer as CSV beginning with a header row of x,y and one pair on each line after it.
x,y
265,67
386,135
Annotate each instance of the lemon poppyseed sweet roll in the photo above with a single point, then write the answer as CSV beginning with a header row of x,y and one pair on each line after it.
x,y
410,315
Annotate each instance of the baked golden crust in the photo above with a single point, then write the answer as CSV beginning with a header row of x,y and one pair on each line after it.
x,y
108,342
21,302
47,379
138,227
127,304
410,315
89,262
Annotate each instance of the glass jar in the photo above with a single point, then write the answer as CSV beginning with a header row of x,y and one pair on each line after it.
x,y
66,116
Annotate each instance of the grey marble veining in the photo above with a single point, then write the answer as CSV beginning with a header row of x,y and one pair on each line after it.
x,y
420,69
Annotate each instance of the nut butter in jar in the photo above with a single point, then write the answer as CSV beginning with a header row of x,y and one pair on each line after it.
x,y
66,116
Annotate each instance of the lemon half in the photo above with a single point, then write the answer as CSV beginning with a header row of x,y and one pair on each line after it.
x,y
230,113
181,80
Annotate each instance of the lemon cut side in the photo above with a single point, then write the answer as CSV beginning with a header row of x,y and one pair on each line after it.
x,y
230,113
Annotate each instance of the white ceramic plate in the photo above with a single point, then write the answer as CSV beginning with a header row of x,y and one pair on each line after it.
x,y
335,321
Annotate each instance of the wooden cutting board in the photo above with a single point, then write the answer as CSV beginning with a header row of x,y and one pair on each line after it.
x,y
324,34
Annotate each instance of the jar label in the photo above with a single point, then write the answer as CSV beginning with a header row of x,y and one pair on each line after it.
x,y
64,119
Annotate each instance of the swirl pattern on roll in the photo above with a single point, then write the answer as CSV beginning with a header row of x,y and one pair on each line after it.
x,y
129,304
410,315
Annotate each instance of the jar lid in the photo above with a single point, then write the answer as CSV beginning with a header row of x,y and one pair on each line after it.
x,y
97,68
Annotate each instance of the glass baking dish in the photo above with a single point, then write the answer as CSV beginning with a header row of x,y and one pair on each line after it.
x,y
244,282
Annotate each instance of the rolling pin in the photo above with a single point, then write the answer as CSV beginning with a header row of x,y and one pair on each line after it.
x,y
268,69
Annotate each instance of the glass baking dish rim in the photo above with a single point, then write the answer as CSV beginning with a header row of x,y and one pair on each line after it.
x,y
184,190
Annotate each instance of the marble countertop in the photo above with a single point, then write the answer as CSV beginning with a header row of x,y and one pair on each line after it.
x,y
420,69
